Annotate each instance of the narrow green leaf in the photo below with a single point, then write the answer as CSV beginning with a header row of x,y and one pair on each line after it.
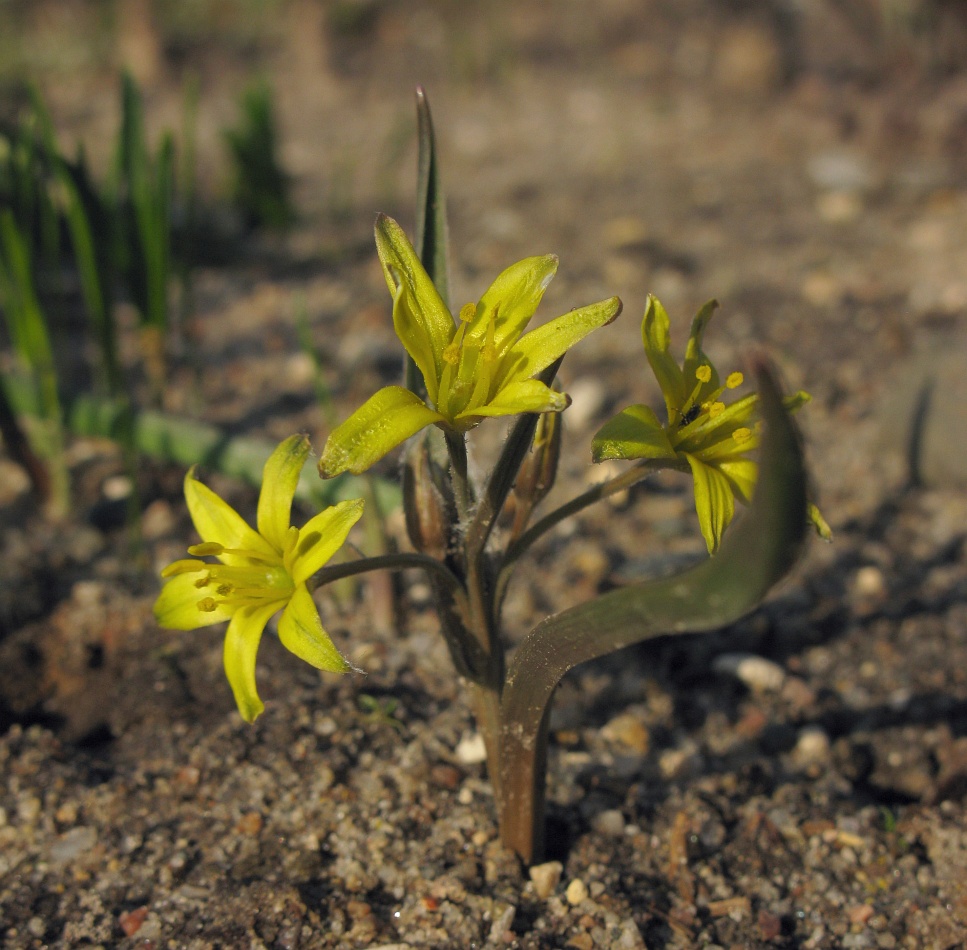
x,y
432,243
431,212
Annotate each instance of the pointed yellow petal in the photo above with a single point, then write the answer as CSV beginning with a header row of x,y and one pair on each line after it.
x,y
389,417
216,520
301,633
635,433
320,537
241,646
695,355
177,605
714,501
525,395
279,479
656,335
422,321
535,351
512,299
819,522
742,474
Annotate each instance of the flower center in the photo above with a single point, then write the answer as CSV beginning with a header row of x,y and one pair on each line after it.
x,y
262,580
468,370
709,406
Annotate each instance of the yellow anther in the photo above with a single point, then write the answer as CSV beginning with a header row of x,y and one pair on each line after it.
x,y
224,590
488,352
206,548
734,380
207,605
451,353
467,312
742,435
183,567
704,373
715,408
203,581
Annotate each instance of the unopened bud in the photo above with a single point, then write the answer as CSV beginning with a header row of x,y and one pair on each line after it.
x,y
428,503
538,470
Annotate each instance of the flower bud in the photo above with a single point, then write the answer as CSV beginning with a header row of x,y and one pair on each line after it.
x,y
538,470
428,502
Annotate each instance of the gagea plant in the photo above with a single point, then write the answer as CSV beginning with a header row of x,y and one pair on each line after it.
x,y
462,368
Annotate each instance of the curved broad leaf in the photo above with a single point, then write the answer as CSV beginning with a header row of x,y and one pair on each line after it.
x,y
755,554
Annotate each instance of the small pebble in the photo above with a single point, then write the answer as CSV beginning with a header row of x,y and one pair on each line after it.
x,y
577,892
471,749
502,921
546,877
116,487
812,747
627,730
72,844
610,823
870,583
860,914
756,672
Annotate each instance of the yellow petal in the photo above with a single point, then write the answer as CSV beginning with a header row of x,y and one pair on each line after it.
x,y
177,605
538,349
320,537
301,633
279,480
656,335
388,418
742,474
512,299
216,520
241,646
713,502
421,319
634,433
819,522
695,355
526,395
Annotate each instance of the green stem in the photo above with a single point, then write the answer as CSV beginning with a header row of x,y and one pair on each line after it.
x,y
400,561
462,491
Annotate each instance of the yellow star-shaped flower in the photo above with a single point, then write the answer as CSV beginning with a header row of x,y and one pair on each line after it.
x,y
481,365
703,435
257,573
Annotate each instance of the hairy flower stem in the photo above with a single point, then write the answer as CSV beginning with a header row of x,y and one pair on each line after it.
x,y
460,477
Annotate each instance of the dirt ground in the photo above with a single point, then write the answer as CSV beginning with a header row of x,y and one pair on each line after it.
x,y
796,780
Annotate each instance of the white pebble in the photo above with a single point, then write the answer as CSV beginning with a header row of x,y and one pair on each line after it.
x,y
471,749
812,746
610,823
546,877
577,892
756,672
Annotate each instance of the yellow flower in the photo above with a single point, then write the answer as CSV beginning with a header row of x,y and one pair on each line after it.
x,y
481,365
257,573
703,434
